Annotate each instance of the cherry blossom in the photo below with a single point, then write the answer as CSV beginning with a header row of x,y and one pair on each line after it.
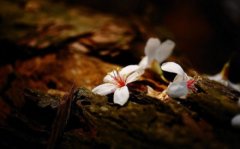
x,y
222,78
116,82
182,83
156,51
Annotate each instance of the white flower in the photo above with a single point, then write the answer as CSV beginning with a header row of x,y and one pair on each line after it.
x,y
218,77
156,51
236,121
116,82
181,84
222,78
239,101
234,86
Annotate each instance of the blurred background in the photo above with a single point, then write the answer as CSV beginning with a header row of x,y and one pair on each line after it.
x,y
207,33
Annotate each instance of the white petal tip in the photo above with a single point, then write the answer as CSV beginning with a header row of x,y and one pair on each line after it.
x,y
121,96
239,101
173,68
170,42
153,40
236,121
120,103
104,89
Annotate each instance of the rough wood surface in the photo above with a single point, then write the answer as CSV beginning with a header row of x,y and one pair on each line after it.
x,y
200,121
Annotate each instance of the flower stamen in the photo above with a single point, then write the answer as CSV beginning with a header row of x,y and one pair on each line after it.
x,y
120,81
191,85
116,82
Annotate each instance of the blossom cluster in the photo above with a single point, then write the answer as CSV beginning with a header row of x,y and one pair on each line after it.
x,y
155,53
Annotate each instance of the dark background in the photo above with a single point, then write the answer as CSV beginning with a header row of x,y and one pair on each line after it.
x,y
206,32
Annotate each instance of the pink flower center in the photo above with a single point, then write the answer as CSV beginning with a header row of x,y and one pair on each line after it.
x,y
190,85
120,81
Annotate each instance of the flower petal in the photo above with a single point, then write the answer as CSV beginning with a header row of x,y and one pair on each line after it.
x,y
179,78
109,78
239,101
128,70
234,86
177,89
236,121
151,48
164,51
144,63
104,89
173,67
216,77
134,76
121,95
219,78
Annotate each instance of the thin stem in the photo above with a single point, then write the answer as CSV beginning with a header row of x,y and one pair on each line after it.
x,y
157,69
